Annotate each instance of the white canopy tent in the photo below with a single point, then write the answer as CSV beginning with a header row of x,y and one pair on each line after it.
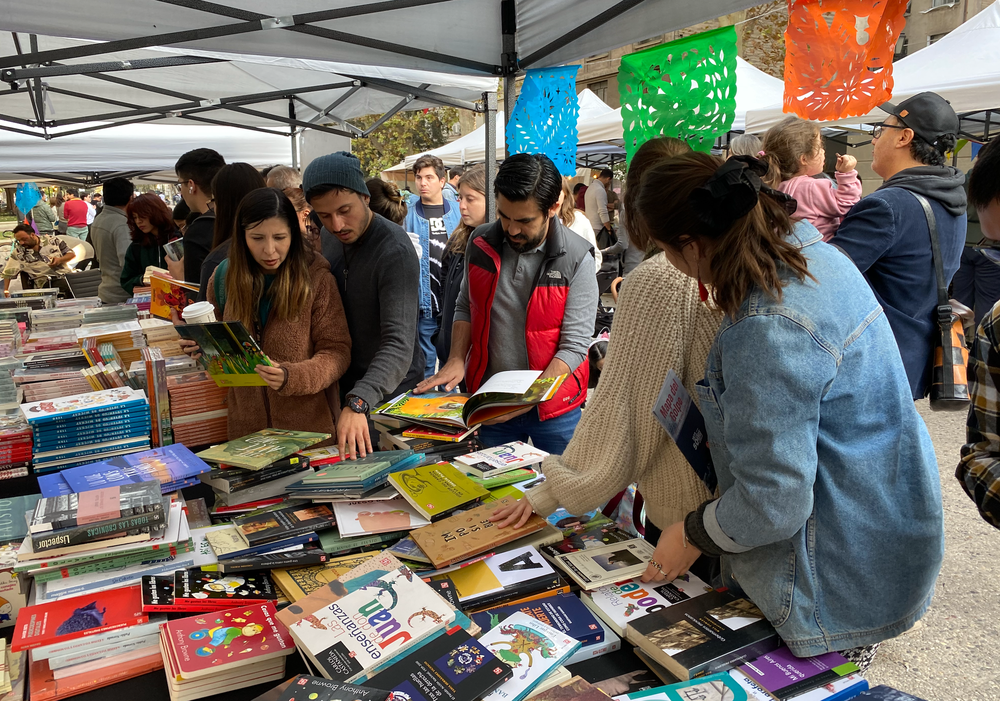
x,y
963,67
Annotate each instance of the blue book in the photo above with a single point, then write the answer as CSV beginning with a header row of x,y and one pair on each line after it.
x,y
70,427
681,418
81,405
90,449
886,693
54,485
564,612
13,524
76,436
168,465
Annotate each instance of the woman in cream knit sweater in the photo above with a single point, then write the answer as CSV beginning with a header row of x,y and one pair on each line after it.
x,y
660,325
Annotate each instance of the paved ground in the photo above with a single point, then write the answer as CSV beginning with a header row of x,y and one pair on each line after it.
x,y
955,654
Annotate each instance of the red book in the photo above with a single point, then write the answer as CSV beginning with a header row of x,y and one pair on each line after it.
x,y
45,687
77,617
212,642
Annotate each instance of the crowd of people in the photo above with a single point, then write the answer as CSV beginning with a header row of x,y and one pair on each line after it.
x,y
800,316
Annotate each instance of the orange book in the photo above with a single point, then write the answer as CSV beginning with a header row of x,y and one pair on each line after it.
x,y
45,687
167,294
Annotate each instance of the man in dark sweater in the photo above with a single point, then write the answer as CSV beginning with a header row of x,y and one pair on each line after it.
x,y
195,171
378,276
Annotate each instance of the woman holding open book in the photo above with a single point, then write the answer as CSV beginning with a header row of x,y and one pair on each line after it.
x,y
830,515
284,294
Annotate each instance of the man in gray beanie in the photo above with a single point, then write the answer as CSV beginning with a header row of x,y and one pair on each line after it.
x,y
378,275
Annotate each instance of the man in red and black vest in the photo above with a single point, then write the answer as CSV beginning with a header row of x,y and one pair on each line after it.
x,y
528,302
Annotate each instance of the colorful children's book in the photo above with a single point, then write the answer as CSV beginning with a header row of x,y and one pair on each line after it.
x,y
704,635
454,666
311,588
784,676
594,567
207,644
228,352
529,647
169,295
356,518
504,393
623,602
564,612
435,490
469,533
258,450
77,617
400,610
81,406
504,458
224,590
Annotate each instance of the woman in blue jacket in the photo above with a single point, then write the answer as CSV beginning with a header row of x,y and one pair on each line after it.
x,y
829,516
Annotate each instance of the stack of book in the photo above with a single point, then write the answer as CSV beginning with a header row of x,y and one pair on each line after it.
x,y
126,337
163,335
99,565
45,341
234,486
111,314
231,649
57,319
106,367
10,396
258,450
198,409
10,336
86,642
201,591
353,479
15,447
84,428
173,466
161,429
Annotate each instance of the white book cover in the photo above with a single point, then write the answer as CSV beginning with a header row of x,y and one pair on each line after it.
x,y
371,625
498,572
101,640
503,458
624,602
529,647
356,518
595,567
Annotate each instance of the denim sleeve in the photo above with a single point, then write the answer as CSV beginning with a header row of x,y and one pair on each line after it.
x,y
775,376
867,232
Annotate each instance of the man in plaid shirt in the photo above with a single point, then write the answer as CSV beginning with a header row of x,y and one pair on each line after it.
x,y
979,470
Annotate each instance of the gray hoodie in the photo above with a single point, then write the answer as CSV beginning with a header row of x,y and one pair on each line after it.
x,y
942,183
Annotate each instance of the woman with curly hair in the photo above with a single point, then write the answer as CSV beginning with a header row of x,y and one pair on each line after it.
x,y
152,224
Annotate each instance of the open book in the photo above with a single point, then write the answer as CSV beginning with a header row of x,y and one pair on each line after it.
x,y
504,393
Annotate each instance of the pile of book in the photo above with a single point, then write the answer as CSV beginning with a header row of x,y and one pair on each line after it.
x,y
52,374
163,335
110,314
106,369
125,336
10,335
15,447
161,432
198,410
85,428
10,396
57,319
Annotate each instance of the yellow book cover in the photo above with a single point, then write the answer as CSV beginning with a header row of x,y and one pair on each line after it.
x,y
167,294
299,582
435,490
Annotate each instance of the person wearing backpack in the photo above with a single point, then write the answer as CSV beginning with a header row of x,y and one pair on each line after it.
x,y
283,293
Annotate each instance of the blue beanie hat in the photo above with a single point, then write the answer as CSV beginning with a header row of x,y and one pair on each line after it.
x,y
340,169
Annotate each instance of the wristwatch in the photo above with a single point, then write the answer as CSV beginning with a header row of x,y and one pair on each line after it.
x,y
357,404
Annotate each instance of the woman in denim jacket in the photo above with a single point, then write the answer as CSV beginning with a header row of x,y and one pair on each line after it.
x,y
829,516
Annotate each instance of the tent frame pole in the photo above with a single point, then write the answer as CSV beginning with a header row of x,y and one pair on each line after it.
x,y
586,28
9,75
490,105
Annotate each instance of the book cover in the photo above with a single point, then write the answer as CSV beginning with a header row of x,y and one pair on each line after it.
x,y
167,465
499,574
530,648
258,450
576,689
13,523
304,687
595,567
564,612
357,471
496,461
76,617
682,420
284,523
225,589
435,490
95,506
44,686
236,637
82,405
12,600
513,477
293,558
299,582
228,352
334,544
589,537
356,518
707,634
157,594
140,526
842,689
234,479
440,433
714,687
169,295
461,536
783,675
380,620
623,602
454,666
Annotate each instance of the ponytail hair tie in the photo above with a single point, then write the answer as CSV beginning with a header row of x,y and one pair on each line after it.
x,y
732,192
761,153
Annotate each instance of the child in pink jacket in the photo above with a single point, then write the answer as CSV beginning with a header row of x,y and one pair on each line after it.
x,y
794,149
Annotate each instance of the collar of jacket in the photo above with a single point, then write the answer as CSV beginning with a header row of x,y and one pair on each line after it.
x,y
555,240
418,205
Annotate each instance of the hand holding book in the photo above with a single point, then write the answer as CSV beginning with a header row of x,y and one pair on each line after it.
x,y
273,374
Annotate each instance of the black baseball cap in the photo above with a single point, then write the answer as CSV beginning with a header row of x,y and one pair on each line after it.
x,y
929,115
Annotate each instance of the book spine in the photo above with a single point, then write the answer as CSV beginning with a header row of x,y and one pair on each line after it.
x,y
247,564
126,525
85,413
109,565
119,581
163,400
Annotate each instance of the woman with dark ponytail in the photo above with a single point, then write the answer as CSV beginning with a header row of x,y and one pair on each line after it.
x,y
829,516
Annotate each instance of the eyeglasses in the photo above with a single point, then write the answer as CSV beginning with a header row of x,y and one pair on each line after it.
x,y
878,128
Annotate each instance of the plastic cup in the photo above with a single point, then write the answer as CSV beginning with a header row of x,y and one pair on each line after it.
x,y
199,313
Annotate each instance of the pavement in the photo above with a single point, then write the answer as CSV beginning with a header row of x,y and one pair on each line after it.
x,y
954,652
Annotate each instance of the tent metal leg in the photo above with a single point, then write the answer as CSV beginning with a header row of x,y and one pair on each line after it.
x,y
292,134
490,101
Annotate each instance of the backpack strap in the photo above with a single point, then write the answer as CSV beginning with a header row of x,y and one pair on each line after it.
x,y
219,288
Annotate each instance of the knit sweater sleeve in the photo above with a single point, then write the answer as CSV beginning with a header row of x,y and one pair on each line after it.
x,y
331,343
618,441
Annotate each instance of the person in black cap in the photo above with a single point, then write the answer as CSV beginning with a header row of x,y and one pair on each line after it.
x,y
887,236
378,275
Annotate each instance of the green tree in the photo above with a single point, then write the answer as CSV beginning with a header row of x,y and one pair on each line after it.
x,y
403,134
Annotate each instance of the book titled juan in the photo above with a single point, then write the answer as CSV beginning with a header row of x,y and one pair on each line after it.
x,y
710,633
491,462
381,619
504,393
258,450
209,643
469,533
455,666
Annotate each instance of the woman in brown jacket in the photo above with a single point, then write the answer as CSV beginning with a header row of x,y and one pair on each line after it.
x,y
276,285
